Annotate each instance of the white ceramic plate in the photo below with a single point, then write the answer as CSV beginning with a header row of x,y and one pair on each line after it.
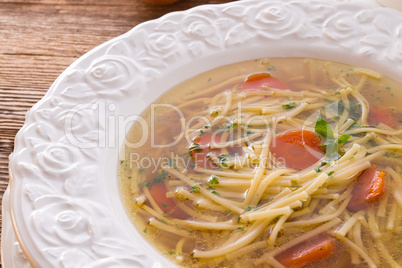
x,y
65,204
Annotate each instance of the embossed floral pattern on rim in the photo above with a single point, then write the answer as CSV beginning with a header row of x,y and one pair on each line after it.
x,y
61,206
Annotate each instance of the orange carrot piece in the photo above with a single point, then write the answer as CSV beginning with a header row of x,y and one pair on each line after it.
x,y
386,116
314,249
199,150
257,82
369,188
298,149
168,205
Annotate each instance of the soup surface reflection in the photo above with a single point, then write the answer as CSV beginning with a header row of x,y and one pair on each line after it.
x,y
282,162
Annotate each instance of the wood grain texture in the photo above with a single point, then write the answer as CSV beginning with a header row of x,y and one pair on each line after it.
x,y
40,39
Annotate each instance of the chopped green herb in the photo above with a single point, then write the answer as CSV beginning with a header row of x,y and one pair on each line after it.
x,y
343,138
163,205
216,193
241,228
372,143
289,106
195,147
223,159
214,180
195,188
324,129
145,230
249,208
161,177
143,184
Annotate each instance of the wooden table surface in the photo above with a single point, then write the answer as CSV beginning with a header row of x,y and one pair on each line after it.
x,y
39,39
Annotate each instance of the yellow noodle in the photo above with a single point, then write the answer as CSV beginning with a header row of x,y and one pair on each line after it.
x,y
382,207
358,250
255,183
179,250
357,235
230,174
374,130
385,254
168,228
264,184
364,106
372,223
323,218
269,214
320,229
368,72
254,230
245,250
277,227
392,217
227,225
236,142
361,83
225,203
350,223
344,177
201,202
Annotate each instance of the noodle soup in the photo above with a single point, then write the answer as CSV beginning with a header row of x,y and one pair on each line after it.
x,y
271,163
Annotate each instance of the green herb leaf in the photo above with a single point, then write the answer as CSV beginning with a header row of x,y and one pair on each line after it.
x,y
324,129
216,193
343,138
195,147
214,180
289,106
161,177
195,188
241,228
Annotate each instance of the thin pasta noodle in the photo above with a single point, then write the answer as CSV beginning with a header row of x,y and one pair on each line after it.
x,y
250,235
358,250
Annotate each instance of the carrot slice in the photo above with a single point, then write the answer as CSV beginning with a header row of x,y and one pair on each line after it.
x,y
369,188
168,205
317,248
257,82
386,116
298,149
199,150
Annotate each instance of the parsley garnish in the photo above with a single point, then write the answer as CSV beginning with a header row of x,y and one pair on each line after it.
x,y
195,147
216,193
214,180
289,106
195,188
331,145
